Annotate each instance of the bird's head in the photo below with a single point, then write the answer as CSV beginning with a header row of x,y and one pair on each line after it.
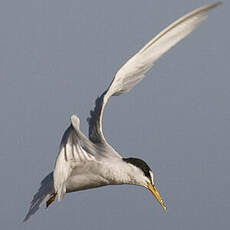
x,y
144,177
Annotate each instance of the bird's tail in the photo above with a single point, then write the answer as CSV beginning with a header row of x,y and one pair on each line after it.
x,y
44,195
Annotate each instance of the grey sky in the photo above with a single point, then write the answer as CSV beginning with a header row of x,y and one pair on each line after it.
x,y
57,56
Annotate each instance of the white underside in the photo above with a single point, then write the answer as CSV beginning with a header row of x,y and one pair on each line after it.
x,y
95,174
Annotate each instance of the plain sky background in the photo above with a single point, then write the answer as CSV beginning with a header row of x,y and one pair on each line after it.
x,y
57,56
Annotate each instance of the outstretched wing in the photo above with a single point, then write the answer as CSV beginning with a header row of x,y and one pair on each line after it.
x,y
133,71
75,150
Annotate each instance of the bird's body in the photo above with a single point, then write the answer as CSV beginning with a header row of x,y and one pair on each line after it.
x,y
89,162
97,164
101,173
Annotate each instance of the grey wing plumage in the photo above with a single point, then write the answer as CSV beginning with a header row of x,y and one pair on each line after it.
x,y
75,150
94,121
133,71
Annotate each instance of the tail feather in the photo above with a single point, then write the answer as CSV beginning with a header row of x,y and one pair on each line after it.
x,y
44,193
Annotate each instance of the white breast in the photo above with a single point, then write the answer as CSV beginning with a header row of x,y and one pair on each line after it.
x,y
100,173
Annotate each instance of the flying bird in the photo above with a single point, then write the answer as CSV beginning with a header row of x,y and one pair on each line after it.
x,y
89,162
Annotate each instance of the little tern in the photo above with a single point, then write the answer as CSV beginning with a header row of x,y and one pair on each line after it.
x,y
85,163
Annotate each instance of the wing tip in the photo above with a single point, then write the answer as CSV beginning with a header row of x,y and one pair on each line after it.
x,y
212,5
75,121
217,3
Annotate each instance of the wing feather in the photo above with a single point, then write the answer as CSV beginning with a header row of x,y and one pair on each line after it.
x,y
75,150
133,71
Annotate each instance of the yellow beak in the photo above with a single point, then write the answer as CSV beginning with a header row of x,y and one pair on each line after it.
x,y
156,194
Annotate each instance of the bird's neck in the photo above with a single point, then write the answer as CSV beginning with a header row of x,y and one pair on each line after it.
x,y
120,172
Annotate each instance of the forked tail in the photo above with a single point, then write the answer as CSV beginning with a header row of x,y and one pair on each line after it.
x,y
44,195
